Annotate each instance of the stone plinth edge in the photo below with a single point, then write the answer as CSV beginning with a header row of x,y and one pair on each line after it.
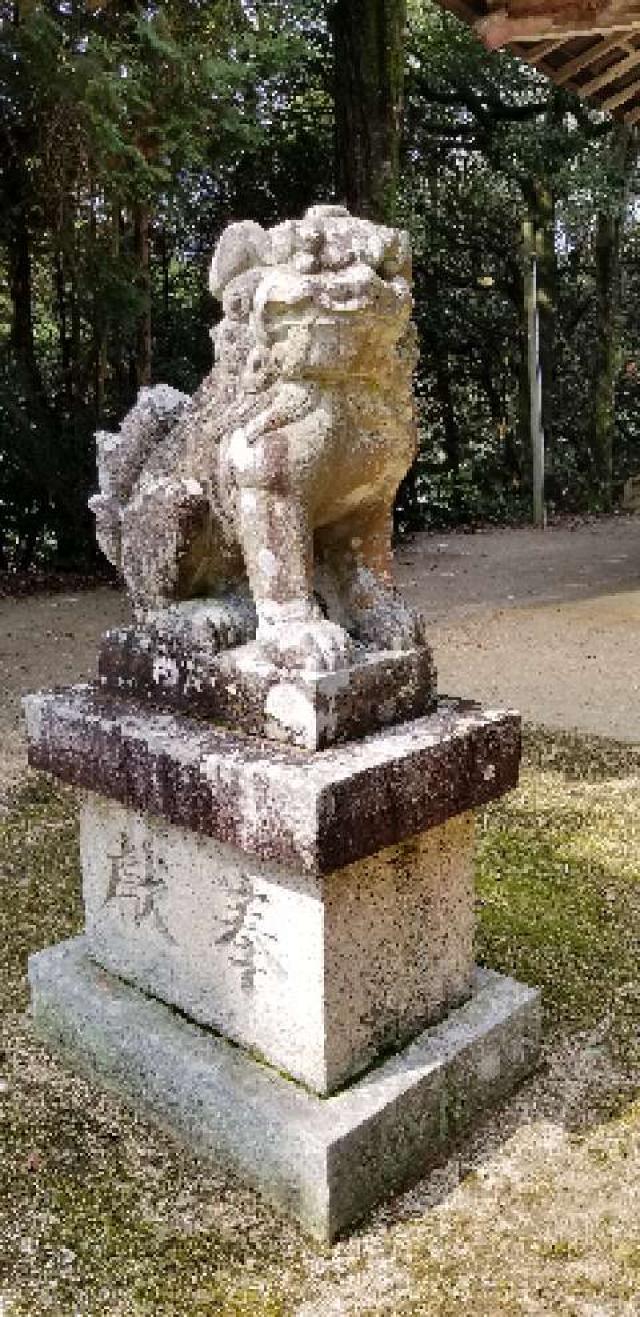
x,y
319,811
326,1161
240,689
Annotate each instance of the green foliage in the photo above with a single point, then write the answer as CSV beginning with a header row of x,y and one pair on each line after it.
x,y
179,117
174,119
488,145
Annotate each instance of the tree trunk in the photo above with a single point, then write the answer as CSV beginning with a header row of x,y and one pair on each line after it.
x,y
63,334
99,325
540,220
524,386
29,539
368,43
449,425
539,245
164,253
607,270
609,228
28,378
142,369
535,384
19,260
100,374
118,360
547,287
76,372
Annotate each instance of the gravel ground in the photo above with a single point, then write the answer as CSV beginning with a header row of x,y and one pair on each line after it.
x,y
46,640
548,623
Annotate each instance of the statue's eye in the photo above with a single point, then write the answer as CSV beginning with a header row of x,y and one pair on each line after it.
x,y
281,300
311,239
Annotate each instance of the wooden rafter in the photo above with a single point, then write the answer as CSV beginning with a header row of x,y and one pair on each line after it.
x,y
543,49
611,74
558,20
580,63
612,103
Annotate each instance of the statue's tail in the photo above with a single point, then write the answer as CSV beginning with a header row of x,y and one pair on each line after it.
x,y
122,456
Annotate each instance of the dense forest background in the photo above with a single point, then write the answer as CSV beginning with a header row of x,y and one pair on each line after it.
x,y
131,135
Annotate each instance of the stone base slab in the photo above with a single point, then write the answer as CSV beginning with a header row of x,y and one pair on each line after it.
x,y
240,689
317,812
327,1161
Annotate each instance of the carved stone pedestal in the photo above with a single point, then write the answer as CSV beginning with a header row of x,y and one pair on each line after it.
x,y
314,908
240,688
318,973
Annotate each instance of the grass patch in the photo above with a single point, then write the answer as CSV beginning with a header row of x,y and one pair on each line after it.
x,y
40,896
558,873
99,1212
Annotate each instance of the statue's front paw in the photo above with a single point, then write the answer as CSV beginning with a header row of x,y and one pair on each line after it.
x,y
315,645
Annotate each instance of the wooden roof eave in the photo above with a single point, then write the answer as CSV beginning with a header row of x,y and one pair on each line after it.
x,y
591,47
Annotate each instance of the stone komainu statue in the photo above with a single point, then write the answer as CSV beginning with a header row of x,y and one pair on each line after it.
x,y
278,477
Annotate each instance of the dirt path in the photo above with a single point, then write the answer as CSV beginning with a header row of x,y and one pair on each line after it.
x,y
461,573
548,623
46,640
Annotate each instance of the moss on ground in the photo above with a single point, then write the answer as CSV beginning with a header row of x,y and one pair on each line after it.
x,y
101,1214
578,1260
558,878
40,899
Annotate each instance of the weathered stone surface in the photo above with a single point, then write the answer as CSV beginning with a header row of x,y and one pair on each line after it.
x,y
318,974
317,812
327,1161
279,475
177,666
317,908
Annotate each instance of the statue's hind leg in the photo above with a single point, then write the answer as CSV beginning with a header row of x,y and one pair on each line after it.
x,y
174,552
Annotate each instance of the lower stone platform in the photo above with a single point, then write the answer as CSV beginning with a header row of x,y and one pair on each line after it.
x,y
328,1161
